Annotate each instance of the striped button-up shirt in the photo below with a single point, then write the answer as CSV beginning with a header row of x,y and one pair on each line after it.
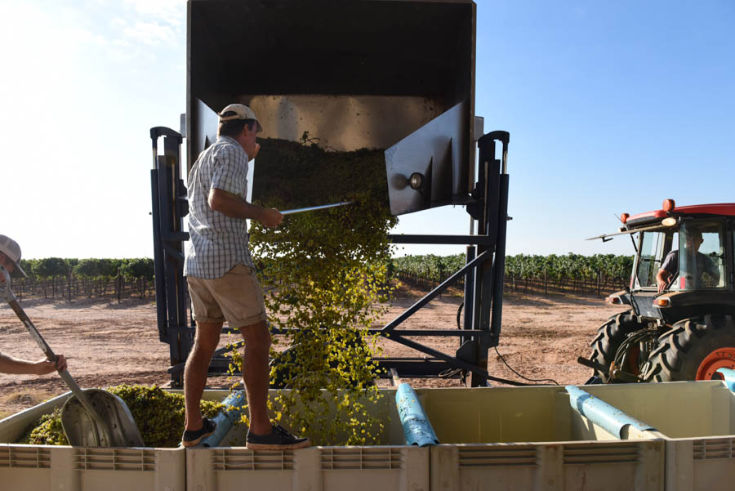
x,y
218,242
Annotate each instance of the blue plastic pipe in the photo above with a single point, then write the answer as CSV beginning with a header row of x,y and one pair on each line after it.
x,y
728,376
234,404
601,413
416,426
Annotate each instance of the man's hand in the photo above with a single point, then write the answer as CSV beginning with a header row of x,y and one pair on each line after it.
x,y
44,366
271,217
662,279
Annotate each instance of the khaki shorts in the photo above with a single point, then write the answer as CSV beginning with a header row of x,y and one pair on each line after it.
x,y
236,297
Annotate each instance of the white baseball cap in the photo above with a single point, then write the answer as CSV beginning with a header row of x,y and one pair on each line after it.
x,y
11,249
241,112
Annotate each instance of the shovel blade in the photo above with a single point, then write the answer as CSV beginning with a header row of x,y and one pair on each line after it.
x,y
119,429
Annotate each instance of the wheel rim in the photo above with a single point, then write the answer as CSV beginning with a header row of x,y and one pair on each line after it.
x,y
634,357
719,358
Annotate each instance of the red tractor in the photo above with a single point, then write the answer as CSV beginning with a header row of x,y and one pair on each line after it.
x,y
681,321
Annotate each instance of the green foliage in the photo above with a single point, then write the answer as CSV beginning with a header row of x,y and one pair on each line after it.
x,y
325,273
158,414
27,266
51,267
139,268
570,266
523,266
88,268
110,268
430,266
54,267
90,276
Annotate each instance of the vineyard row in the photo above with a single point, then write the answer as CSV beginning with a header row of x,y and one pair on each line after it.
x,y
573,273
118,287
121,278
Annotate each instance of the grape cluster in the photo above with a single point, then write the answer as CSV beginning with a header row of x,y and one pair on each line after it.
x,y
159,415
46,431
326,277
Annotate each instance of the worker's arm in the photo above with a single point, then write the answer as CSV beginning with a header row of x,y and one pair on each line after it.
x,y
668,270
8,364
233,206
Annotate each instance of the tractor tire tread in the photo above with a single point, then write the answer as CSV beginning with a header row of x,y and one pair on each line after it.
x,y
672,359
609,337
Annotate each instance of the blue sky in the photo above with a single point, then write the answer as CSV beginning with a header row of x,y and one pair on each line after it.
x,y
612,106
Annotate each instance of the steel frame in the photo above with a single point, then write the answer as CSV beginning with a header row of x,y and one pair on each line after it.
x,y
169,208
484,271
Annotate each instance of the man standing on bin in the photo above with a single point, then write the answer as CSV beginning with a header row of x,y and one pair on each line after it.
x,y
10,261
222,281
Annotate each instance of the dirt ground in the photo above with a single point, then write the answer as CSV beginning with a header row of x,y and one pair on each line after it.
x,y
110,343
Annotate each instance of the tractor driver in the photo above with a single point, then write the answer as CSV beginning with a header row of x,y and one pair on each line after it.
x,y
10,261
670,267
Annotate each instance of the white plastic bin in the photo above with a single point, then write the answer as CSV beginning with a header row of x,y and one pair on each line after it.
x,y
698,419
387,466
531,438
376,468
35,467
479,430
504,438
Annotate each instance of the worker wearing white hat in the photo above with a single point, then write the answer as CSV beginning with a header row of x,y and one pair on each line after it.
x,y
221,278
10,256
10,261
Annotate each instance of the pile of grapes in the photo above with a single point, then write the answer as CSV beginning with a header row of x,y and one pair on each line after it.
x,y
325,273
158,414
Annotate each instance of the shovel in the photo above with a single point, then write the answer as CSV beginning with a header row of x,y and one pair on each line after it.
x,y
91,417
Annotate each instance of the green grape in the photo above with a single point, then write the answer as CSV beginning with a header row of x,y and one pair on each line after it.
x,y
158,414
326,274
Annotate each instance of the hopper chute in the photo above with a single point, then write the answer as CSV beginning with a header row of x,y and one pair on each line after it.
x,y
391,75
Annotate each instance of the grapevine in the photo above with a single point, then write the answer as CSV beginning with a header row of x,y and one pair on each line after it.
x,y
556,268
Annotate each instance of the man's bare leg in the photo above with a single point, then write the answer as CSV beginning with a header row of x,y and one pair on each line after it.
x,y
195,373
255,374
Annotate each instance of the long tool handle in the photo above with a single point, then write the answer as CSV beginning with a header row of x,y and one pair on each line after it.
x,y
64,374
313,208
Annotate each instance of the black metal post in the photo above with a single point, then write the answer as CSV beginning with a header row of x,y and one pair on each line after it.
x,y
158,256
476,349
169,208
502,226
469,291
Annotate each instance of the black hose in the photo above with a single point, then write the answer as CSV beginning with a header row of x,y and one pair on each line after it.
x,y
553,382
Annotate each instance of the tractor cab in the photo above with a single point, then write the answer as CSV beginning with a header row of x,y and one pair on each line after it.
x,y
683,262
681,322
701,266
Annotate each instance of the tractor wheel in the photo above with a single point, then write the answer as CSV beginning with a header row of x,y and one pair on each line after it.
x,y
693,350
609,337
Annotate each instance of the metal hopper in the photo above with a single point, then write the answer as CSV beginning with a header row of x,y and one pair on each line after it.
x,y
392,75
